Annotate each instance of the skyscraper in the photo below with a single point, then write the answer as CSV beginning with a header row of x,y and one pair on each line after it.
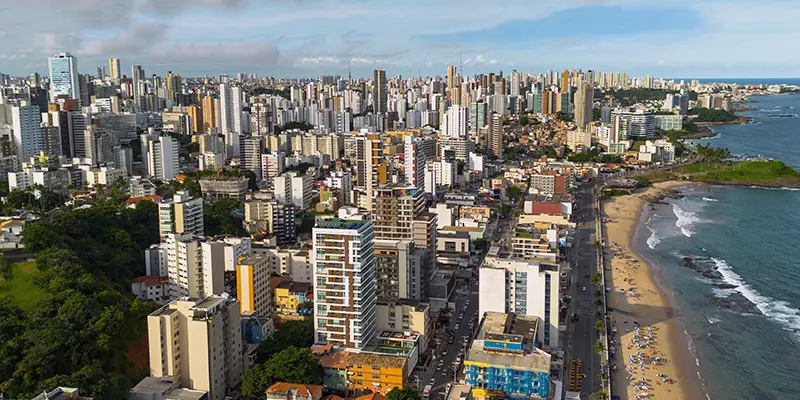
x,y
196,114
496,135
455,124
563,86
451,81
379,90
343,260
113,68
26,120
415,161
137,74
160,154
583,104
209,113
174,87
64,77
253,147
230,104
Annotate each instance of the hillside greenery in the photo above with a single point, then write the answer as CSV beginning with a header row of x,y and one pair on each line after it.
x,y
710,115
79,332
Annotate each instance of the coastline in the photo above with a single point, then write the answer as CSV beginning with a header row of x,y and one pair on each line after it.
x,y
651,307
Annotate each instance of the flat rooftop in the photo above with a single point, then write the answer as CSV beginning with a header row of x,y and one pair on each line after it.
x,y
336,223
511,328
549,198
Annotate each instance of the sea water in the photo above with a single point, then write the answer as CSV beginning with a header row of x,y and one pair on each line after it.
x,y
748,348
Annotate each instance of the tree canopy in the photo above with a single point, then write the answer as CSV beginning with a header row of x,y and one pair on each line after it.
x,y
292,365
79,334
710,115
292,333
402,394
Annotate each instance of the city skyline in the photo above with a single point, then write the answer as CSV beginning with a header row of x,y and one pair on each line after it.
x,y
310,37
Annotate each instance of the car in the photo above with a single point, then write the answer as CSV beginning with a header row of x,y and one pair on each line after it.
x,y
458,359
444,373
584,288
444,353
433,381
439,367
458,326
587,275
452,339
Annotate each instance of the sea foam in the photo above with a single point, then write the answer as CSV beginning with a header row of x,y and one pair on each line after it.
x,y
686,220
711,199
777,310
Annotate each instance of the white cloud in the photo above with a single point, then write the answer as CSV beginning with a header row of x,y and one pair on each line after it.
x,y
319,60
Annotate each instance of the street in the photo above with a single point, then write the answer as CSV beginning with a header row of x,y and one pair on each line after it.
x,y
582,333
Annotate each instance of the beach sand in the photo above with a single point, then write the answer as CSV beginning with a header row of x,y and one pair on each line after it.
x,y
649,306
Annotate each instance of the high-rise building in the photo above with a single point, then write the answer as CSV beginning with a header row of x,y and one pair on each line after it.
x,y
451,81
269,216
199,342
230,103
26,121
253,148
302,185
181,214
496,135
113,68
632,124
455,123
343,258
184,259
174,87
379,90
64,77
252,286
477,116
415,161
196,116
584,99
522,287
399,264
209,114
160,154
563,85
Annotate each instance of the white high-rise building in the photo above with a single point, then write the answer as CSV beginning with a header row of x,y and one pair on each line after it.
x,y
343,260
26,121
184,264
445,172
63,70
251,159
199,342
230,103
524,288
455,124
415,161
160,154
302,185
272,165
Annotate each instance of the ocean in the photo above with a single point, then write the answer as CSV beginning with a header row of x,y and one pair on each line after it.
x,y
731,256
743,81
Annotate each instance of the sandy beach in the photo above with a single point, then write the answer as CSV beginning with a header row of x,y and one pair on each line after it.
x,y
652,358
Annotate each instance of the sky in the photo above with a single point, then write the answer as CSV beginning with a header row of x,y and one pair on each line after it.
x,y
305,38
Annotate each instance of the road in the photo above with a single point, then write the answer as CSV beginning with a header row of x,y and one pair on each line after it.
x,y
584,262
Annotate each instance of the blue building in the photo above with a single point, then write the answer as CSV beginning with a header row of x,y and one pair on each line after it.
x,y
503,361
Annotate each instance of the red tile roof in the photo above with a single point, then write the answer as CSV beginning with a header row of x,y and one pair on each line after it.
x,y
312,391
151,280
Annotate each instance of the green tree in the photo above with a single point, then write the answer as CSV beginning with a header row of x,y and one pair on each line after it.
x,y
402,394
597,279
256,381
523,120
295,365
220,220
292,333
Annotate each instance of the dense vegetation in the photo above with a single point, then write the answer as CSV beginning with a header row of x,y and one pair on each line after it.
x,y
219,219
631,96
26,199
292,333
192,178
78,335
741,172
269,91
709,115
292,365
595,156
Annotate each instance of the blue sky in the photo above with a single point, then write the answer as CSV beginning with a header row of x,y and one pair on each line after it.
x,y
297,38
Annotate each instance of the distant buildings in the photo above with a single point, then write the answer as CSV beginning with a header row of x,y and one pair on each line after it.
x,y
64,79
181,214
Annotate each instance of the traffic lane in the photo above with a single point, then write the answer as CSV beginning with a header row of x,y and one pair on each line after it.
x,y
452,349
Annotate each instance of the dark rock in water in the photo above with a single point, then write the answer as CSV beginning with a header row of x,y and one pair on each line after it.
x,y
738,303
710,274
688,262
726,286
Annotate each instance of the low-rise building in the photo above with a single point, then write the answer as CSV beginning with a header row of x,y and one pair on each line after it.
x,y
407,316
151,288
504,362
293,298
293,391
379,373
335,365
448,241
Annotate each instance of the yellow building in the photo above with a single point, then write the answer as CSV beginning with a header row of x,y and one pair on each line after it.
x,y
209,113
252,285
290,296
196,114
377,372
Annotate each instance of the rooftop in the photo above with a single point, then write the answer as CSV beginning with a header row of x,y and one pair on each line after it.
x,y
151,280
336,223
549,198
378,360
335,360
509,328
313,391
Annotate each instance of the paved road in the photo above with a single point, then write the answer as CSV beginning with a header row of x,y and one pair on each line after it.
x,y
582,333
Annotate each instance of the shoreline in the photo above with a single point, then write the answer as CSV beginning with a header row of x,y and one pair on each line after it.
x,y
650,306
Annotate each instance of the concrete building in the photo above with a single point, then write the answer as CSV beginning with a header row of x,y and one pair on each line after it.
x,y
344,282
185,268
64,80
252,289
160,156
377,372
26,122
199,343
271,217
632,124
302,185
456,122
504,362
526,288
227,250
181,214
399,270
224,187
250,159
406,316
415,161
584,99
495,140
151,288
549,183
